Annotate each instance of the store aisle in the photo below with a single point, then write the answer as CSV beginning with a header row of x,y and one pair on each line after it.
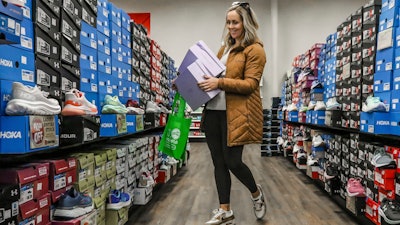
x,y
189,197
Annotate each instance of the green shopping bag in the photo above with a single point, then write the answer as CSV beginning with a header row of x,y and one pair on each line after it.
x,y
176,132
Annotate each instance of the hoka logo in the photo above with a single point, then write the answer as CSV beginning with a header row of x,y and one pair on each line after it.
x,y
10,134
106,125
5,62
129,123
382,122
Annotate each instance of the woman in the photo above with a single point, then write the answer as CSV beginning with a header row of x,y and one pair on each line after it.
x,y
234,117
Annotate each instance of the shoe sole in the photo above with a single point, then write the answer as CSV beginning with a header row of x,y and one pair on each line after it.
x,y
119,205
73,213
73,111
110,109
265,204
387,220
22,107
354,194
230,222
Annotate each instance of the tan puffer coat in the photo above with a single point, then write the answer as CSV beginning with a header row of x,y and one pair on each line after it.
x,y
244,69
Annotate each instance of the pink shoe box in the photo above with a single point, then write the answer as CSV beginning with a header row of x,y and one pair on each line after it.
x,y
385,178
371,211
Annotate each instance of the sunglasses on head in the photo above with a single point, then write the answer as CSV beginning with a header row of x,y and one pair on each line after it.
x,y
242,4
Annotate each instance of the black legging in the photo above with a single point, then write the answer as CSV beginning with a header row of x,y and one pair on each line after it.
x,y
225,158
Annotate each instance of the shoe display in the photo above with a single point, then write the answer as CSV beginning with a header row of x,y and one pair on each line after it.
x,y
19,3
292,107
220,216
316,84
152,107
135,111
354,188
331,171
112,105
76,104
279,141
332,105
117,200
389,210
303,108
319,106
297,148
373,104
311,161
27,100
73,204
317,141
311,105
259,205
383,159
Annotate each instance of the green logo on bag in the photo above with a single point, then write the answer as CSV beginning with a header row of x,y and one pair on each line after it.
x,y
175,133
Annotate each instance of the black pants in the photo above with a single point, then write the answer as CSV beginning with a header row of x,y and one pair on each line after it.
x,y
225,158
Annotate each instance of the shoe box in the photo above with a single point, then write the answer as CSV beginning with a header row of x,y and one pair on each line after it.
x,y
70,30
16,64
112,125
384,60
89,81
27,38
69,78
143,195
46,16
152,120
24,134
11,17
139,122
103,43
104,63
79,129
120,216
88,58
131,123
85,172
376,122
74,10
371,211
46,46
89,13
48,73
356,205
385,179
9,203
69,55
88,219
88,35
63,173
103,25
318,117
333,118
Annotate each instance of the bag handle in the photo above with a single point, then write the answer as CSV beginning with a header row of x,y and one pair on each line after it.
x,y
178,106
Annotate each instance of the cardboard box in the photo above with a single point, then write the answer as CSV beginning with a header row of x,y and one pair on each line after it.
x,y
62,173
70,30
104,62
88,58
69,78
69,55
112,125
74,10
142,195
10,212
88,35
120,216
79,129
10,30
47,19
88,14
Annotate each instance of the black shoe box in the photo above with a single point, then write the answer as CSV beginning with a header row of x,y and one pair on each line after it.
x,y
70,31
356,205
361,169
69,55
355,104
371,190
88,15
74,9
397,189
353,168
369,51
355,117
333,118
333,186
356,81
9,193
371,12
370,32
46,74
356,54
356,40
69,79
53,5
78,129
48,20
45,45
151,120
346,118
89,4
9,213
368,67
356,20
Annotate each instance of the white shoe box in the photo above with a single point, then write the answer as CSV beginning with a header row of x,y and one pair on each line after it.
x,y
142,195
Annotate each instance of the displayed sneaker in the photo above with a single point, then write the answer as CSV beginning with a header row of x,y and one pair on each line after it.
x,y
332,105
135,111
284,108
297,148
331,171
311,105
132,103
76,104
117,200
146,179
112,105
279,141
27,100
316,84
164,166
303,108
259,205
73,204
152,107
373,104
317,141
389,210
220,216
292,107
383,159
307,135
301,158
311,161
319,106
354,188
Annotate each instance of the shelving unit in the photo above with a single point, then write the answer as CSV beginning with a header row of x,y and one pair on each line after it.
x,y
271,129
195,134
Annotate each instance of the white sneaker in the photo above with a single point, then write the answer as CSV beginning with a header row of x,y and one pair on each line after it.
x,y
311,105
292,107
303,108
297,148
152,107
27,100
320,105
259,206
76,104
317,141
373,104
279,141
135,110
221,216
332,104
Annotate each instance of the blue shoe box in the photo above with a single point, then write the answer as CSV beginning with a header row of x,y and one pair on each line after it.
x,y
10,30
131,123
126,55
27,38
395,123
384,60
116,51
126,72
389,18
88,58
376,122
88,15
94,99
396,80
126,21
309,116
12,11
27,10
103,44
88,35
103,25
89,80
116,68
16,64
395,101
126,38
293,116
116,33
385,97
389,5
383,81
105,83
318,117
397,38
397,59
25,134
6,93
114,14
112,125
103,63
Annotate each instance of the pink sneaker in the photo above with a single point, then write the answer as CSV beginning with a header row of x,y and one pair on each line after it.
x,y
354,188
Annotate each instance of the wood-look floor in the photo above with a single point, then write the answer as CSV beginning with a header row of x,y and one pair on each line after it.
x,y
189,197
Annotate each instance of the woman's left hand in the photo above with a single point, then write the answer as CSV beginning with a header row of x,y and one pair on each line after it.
x,y
210,83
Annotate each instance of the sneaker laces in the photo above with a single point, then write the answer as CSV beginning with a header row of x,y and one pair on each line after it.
x,y
258,203
217,213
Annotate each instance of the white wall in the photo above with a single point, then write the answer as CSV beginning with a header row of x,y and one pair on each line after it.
x,y
287,28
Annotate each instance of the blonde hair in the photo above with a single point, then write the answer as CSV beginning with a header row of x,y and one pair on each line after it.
x,y
250,26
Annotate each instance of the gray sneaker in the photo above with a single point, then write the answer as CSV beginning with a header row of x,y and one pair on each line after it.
x,y
259,206
383,160
389,210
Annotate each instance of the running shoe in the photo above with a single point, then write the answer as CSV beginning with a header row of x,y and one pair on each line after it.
x,y
332,105
303,108
221,217
354,188
117,200
317,141
320,105
311,105
18,3
152,107
383,159
331,171
311,161
259,206
389,210
76,104
73,204
292,107
27,100
373,104
316,84
112,105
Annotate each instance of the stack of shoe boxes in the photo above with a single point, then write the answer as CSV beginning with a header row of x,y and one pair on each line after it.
x,y
271,129
333,158
345,165
9,202
143,192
